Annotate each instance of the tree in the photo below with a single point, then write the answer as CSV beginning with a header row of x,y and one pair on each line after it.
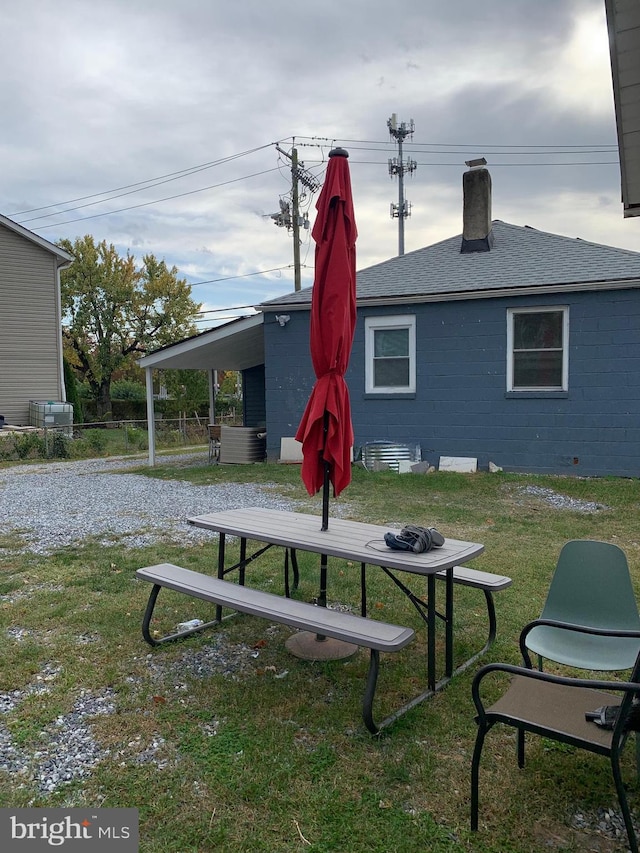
x,y
189,388
113,311
71,387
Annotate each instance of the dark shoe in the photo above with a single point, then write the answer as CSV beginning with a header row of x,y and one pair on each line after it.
x,y
415,539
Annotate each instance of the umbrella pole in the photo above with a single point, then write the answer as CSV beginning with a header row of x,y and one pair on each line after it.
x,y
325,481
322,599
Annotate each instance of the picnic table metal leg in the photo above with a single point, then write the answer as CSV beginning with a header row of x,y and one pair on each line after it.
x,y
363,589
290,553
178,635
287,588
491,612
431,632
221,550
448,623
294,566
243,560
372,681
367,704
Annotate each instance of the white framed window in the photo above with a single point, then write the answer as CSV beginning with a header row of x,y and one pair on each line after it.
x,y
390,354
538,349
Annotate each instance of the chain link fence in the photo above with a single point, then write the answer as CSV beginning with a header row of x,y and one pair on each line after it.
x,y
109,438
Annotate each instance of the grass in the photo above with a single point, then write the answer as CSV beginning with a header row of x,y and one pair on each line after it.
x,y
268,753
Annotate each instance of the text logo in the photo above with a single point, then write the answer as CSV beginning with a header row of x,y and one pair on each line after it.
x,y
69,830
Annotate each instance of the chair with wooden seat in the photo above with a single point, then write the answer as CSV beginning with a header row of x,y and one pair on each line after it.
x,y
214,441
556,707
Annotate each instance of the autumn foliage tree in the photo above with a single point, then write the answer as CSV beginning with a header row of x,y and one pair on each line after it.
x,y
114,311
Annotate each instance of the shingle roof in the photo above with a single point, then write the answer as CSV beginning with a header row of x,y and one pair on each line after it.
x,y
521,257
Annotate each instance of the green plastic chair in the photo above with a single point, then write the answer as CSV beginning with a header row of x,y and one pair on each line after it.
x,y
591,586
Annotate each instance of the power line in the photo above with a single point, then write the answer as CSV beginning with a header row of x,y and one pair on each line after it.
x,y
144,185
323,141
492,164
503,153
244,275
158,200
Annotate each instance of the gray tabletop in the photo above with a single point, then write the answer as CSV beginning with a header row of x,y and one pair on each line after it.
x,y
351,540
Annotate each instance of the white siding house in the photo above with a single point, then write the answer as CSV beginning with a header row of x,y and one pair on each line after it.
x,y
623,21
30,321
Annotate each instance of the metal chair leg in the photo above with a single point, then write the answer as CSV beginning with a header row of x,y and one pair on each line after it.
x,y
475,775
521,748
622,799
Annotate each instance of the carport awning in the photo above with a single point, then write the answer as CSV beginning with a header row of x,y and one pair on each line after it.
x,y
238,345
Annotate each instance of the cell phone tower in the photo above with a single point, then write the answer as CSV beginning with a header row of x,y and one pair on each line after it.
x,y
398,167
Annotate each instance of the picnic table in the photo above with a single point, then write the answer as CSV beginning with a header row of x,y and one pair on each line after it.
x,y
353,541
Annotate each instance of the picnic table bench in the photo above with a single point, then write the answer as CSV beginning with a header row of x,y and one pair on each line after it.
x,y
372,634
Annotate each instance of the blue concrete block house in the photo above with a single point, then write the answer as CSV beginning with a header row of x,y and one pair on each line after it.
x,y
506,344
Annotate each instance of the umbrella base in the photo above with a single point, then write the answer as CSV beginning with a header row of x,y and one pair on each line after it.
x,y
305,645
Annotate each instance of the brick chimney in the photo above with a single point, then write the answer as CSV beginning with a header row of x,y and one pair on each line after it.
x,y
476,210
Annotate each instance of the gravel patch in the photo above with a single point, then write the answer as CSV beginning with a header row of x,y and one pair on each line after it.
x,y
607,822
68,750
218,657
559,501
57,504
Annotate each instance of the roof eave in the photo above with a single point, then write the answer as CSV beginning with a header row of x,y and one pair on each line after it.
x,y
458,295
63,258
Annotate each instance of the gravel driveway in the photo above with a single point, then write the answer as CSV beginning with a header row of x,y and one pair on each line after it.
x,y
54,504
60,503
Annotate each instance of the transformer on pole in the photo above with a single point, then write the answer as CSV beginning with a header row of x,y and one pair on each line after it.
x,y
289,214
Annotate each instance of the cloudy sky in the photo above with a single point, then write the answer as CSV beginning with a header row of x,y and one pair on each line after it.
x,y
153,124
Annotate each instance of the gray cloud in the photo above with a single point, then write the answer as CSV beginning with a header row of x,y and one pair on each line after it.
x,y
103,95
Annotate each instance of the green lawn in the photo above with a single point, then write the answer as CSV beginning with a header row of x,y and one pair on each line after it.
x,y
225,742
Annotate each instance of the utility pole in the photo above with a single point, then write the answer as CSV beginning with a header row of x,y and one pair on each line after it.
x,y
398,168
295,216
289,216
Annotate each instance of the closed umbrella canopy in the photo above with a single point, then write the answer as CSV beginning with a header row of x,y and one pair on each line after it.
x,y
326,431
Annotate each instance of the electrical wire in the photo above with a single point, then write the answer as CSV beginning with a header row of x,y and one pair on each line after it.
x,y
144,185
317,140
518,165
158,200
322,143
244,275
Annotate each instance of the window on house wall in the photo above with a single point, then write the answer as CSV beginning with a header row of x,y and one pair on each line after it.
x,y
390,354
537,349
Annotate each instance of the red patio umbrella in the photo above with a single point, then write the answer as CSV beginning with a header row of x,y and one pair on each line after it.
x,y
326,431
